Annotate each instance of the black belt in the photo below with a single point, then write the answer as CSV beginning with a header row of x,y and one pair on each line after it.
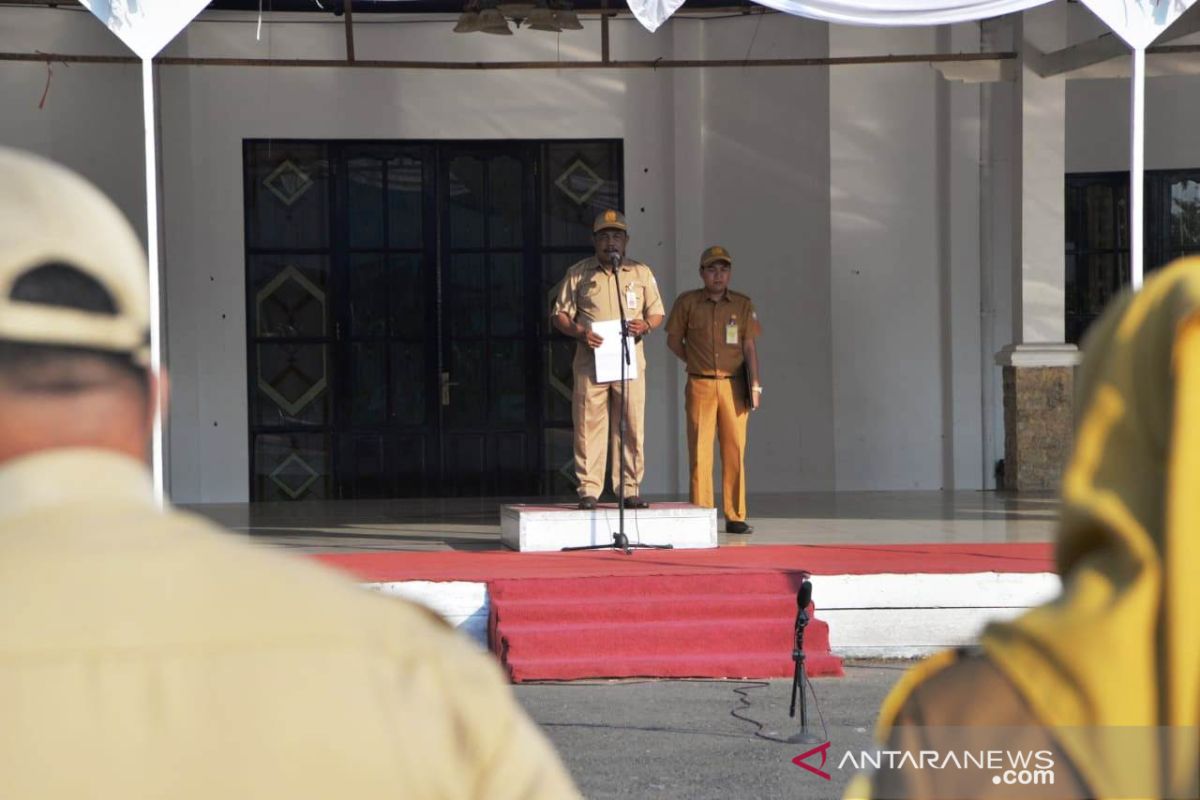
x,y
710,377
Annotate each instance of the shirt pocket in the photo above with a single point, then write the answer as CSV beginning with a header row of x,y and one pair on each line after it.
x,y
590,296
722,334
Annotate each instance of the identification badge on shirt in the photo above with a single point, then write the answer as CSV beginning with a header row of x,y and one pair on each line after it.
x,y
631,299
731,333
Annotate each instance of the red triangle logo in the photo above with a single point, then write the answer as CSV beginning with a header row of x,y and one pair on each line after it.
x,y
799,760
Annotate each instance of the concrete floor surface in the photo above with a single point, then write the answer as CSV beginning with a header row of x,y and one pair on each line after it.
x,y
699,739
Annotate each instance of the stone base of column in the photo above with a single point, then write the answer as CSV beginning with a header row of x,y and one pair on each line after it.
x,y
1039,414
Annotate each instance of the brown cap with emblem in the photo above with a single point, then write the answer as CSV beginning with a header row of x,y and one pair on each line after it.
x,y
51,218
714,254
609,219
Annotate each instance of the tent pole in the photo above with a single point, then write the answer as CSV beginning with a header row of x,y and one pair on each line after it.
x,y
1137,168
153,259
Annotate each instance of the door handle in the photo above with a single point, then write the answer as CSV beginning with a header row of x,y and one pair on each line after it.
x,y
446,384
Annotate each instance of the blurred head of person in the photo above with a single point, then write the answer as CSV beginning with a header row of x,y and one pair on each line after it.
x,y
1113,664
74,316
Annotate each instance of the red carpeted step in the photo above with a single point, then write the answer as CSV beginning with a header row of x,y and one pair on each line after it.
x,y
689,637
708,665
625,587
738,625
648,609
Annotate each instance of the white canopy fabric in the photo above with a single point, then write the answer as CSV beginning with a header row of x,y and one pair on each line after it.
x,y
891,13
145,26
1138,22
653,13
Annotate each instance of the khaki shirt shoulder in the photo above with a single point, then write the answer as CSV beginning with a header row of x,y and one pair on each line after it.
x,y
160,656
588,293
702,326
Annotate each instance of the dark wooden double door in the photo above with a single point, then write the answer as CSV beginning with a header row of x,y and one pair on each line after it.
x,y
397,313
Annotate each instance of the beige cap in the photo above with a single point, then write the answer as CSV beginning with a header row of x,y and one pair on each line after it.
x,y
609,218
714,254
50,215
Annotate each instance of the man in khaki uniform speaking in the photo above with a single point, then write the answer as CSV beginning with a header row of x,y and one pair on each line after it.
x,y
146,653
713,330
590,292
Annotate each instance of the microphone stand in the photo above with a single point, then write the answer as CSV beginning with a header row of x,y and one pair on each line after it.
x,y
620,540
803,598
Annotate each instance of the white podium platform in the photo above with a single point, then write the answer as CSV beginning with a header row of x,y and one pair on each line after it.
x,y
543,528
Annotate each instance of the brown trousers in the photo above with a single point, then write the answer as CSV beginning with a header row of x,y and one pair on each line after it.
x,y
718,406
596,412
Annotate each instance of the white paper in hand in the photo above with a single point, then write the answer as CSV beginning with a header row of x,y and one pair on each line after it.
x,y
608,354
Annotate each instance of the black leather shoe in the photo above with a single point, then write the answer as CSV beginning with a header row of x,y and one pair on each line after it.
x,y
587,502
636,502
738,527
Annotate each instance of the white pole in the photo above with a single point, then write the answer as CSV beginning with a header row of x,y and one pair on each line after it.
x,y
1137,167
152,256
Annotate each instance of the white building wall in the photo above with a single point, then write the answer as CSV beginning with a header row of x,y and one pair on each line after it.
x,y
88,118
965,359
1098,124
826,184
687,177
999,213
887,373
766,137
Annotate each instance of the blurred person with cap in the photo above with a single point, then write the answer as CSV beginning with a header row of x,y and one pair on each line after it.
x,y
714,331
149,653
592,291
1103,681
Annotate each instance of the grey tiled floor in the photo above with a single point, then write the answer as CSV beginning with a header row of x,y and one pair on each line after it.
x,y
798,518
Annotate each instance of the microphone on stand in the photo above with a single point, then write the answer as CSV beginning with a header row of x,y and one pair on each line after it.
x,y
615,262
803,598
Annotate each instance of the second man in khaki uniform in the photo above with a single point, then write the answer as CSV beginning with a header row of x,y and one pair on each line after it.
x,y
591,291
713,330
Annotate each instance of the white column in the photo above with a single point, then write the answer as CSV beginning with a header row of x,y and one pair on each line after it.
x,y
1037,365
1039,301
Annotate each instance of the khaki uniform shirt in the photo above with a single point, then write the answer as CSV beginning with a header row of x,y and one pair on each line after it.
x,y
587,294
703,324
153,655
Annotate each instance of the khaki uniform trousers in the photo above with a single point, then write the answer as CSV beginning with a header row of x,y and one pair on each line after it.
x,y
596,412
718,406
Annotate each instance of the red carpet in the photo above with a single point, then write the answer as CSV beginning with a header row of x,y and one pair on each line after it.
x,y
725,613
676,626
864,559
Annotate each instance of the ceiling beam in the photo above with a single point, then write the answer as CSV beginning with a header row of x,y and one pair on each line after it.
x,y
316,63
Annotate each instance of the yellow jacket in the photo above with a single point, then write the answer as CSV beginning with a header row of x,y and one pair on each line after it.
x,y
1110,669
148,654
